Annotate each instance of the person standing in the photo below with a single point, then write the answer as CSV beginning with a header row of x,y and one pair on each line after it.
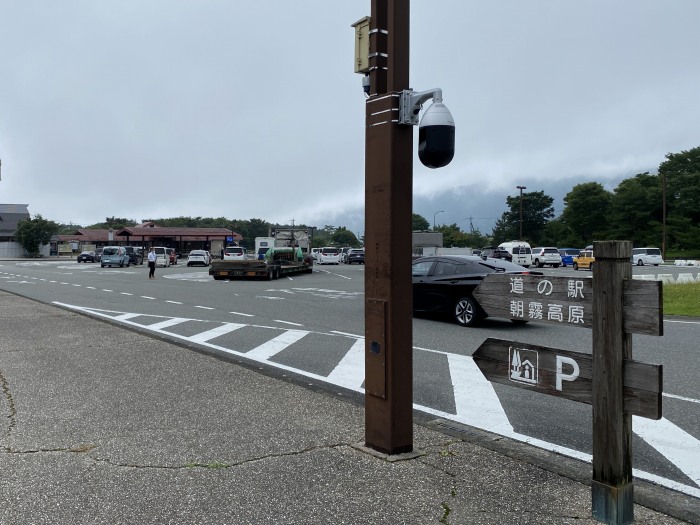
x,y
152,258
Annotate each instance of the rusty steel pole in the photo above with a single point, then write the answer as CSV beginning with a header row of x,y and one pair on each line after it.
x,y
388,225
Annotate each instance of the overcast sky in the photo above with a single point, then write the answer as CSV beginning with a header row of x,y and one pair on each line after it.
x,y
164,108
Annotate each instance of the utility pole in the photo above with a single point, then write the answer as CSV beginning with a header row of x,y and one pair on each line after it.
x,y
521,188
388,208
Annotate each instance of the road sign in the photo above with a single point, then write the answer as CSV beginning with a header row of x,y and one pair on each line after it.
x,y
566,374
567,300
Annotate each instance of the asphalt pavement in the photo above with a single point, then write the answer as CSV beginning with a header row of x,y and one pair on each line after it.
x,y
106,425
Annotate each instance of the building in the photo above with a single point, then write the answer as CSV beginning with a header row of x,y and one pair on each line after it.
x,y
10,216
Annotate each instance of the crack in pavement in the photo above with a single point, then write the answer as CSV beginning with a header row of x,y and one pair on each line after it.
x,y
10,402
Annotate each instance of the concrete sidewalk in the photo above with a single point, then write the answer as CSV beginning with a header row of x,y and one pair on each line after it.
x,y
105,425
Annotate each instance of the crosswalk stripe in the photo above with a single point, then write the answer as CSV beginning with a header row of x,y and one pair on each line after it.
x,y
350,371
476,401
215,332
167,323
274,346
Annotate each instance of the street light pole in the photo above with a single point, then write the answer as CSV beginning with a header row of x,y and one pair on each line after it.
x,y
434,214
521,188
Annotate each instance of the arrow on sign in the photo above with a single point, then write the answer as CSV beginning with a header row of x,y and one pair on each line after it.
x,y
566,374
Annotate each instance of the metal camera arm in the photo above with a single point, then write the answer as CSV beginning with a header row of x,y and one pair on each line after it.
x,y
411,103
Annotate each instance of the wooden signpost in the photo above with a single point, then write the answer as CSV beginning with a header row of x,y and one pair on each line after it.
x,y
614,306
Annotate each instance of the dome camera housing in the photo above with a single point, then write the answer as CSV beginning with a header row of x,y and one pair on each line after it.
x,y
436,136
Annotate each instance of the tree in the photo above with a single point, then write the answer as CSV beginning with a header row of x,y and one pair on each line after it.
x,y
32,233
537,211
420,223
681,174
344,237
586,210
635,210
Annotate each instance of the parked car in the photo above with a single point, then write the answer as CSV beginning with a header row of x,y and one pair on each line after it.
x,y
162,256
444,284
328,255
355,255
87,257
314,253
642,256
172,255
548,255
232,253
114,256
496,253
567,255
135,254
584,260
343,253
198,258
98,254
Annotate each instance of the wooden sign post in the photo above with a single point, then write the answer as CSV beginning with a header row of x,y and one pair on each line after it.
x,y
614,306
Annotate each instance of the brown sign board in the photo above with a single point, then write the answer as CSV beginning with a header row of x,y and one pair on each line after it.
x,y
567,374
567,300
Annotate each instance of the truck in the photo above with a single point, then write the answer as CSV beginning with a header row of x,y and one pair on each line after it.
x,y
277,262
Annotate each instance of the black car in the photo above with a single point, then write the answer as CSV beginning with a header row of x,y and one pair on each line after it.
x,y
444,285
87,257
135,254
355,256
496,253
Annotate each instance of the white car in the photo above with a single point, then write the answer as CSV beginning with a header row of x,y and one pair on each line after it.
x,y
328,255
233,253
642,256
546,255
198,257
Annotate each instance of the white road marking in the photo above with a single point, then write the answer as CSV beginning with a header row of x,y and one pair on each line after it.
x,y
287,322
167,323
215,332
240,313
679,447
204,307
689,399
350,371
275,346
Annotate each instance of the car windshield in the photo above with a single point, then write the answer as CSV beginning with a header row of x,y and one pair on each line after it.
x,y
330,251
551,250
109,251
196,254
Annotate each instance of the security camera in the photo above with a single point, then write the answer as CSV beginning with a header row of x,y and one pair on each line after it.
x,y
436,132
436,136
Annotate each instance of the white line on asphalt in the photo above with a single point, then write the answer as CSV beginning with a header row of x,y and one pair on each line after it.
x,y
345,333
274,346
204,307
244,315
173,302
689,399
682,322
679,447
350,371
224,329
167,323
148,297
287,322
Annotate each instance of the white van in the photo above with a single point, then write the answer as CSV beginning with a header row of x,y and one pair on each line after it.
x,y
520,251
328,255
162,256
642,256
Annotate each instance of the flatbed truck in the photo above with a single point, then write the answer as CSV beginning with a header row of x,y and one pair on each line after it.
x,y
278,262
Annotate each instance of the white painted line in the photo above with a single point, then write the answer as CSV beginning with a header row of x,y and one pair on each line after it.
x,y
215,332
350,371
681,322
240,313
689,399
204,307
124,317
274,346
346,333
287,322
106,290
167,323
476,401
126,293
679,447
173,302
148,297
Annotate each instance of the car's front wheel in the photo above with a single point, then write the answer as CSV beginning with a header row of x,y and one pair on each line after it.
x,y
575,266
465,311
